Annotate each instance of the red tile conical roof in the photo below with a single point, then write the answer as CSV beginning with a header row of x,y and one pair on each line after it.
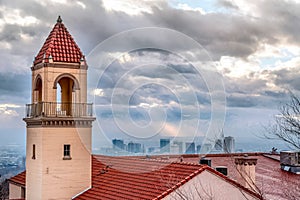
x,y
59,46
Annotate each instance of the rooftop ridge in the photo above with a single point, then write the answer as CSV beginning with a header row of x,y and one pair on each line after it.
x,y
151,160
271,156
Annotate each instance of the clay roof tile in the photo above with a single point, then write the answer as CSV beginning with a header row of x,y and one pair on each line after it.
x,y
58,41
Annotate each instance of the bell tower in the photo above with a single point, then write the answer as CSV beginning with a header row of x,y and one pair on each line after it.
x,y
58,120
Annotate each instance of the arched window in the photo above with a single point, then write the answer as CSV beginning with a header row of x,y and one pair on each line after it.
x,y
38,89
65,86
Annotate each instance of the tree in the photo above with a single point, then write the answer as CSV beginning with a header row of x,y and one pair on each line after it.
x,y
4,190
287,123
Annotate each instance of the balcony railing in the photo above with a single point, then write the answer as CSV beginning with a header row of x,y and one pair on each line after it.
x,y
56,109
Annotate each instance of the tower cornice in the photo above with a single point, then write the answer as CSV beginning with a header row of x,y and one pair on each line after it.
x,y
59,122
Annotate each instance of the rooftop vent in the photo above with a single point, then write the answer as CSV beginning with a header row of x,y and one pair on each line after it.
x,y
290,161
205,161
222,169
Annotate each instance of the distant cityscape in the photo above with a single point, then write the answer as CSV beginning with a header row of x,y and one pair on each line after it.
x,y
173,146
12,157
12,161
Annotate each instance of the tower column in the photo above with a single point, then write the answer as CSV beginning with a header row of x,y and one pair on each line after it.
x,y
59,132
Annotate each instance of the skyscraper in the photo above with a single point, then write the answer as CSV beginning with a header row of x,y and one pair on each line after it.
x,y
190,147
229,144
219,145
118,144
165,145
134,147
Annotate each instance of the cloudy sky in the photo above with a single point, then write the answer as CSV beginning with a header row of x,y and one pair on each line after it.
x,y
157,81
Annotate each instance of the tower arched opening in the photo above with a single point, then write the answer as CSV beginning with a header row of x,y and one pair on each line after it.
x,y
38,90
65,95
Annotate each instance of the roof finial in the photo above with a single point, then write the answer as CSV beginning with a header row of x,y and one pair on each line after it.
x,y
59,20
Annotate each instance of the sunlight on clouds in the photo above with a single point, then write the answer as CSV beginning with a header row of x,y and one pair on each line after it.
x,y
9,105
237,67
275,54
289,49
59,1
184,6
267,50
170,130
130,7
125,58
5,109
26,37
293,63
5,45
147,105
99,92
13,16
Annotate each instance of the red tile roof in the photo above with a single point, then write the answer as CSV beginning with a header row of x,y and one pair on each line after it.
x,y
273,182
60,46
136,178
128,178
19,179
132,178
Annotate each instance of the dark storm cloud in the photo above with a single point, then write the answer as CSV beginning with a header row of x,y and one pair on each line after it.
x,y
288,78
14,83
253,91
220,33
285,18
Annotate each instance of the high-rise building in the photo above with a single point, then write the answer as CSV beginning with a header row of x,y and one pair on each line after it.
x,y
198,148
229,144
190,147
164,145
118,144
151,149
219,145
134,147
206,148
180,146
174,149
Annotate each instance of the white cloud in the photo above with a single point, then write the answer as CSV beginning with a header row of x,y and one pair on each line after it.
x,y
237,67
6,110
99,92
13,16
130,7
9,106
184,6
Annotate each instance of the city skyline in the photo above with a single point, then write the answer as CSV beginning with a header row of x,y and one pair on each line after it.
x,y
255,47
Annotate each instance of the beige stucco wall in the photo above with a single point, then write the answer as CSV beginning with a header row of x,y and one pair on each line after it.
x,y
208,186
15,192
49,75
49,176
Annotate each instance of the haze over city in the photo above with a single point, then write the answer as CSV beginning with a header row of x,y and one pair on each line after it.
x,y
255,53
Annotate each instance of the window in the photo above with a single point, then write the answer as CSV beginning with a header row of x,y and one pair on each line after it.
x,y
23,192
67,152
33,151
